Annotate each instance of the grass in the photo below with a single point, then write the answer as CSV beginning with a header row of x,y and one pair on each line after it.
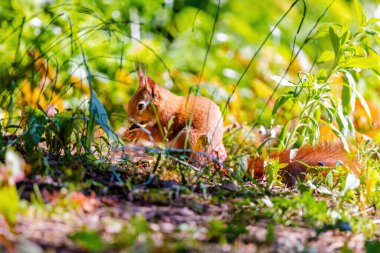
x,y
59,111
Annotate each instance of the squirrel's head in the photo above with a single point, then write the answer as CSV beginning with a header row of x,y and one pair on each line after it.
x,y
140,107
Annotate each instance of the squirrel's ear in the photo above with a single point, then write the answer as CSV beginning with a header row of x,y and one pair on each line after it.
x,y
143,79
153,87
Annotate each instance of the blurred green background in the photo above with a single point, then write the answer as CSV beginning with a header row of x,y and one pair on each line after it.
x,y
44,44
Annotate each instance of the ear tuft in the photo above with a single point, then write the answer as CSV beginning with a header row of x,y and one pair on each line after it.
x,y
153,87
141,73
144,80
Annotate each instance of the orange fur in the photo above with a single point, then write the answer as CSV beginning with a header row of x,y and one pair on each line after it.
x,y
307,156
206,123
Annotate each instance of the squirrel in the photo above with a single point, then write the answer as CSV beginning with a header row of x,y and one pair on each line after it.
x,y
322,155
153,110
158,115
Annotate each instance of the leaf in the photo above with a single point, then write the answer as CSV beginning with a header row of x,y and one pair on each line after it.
x,y
267,202
241,165
63,125
314,130
326,56
35,127
360,15
89,240
141,224
345,38
373,20
282,81
361,63
334,41
363,102
99,113
342,122
353,92
9,202
280,102
329,109
324,190
347,94
329,179
340,136
350,126
284,132
372,246
352,182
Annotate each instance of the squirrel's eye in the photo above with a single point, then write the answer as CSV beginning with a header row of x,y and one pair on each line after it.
x,y
140,106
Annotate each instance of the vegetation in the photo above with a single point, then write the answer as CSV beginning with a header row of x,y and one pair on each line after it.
x,y
285,74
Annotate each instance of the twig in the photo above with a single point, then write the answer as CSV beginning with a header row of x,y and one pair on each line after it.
x,y
184,163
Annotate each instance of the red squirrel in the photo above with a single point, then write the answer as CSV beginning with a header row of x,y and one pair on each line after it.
x,y
156,108
193,122
322,155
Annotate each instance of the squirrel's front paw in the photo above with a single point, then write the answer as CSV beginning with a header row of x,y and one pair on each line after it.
x,y
132,134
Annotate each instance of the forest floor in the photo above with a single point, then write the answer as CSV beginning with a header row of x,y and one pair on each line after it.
x,y
105,214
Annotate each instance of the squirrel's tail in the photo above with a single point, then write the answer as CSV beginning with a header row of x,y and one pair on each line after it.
x,y
322,155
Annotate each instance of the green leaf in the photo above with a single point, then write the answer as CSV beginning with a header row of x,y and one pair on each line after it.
x,y
9,202
315,129
361,63
89,240
141,224
330,114
346,99
372,246
340,136
342,122
64,123
35,127
283,133
329,179
99,114
363,102
241,165
334,40
373,20
345,37
350,126
280,102
352,85
326,56
360,15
